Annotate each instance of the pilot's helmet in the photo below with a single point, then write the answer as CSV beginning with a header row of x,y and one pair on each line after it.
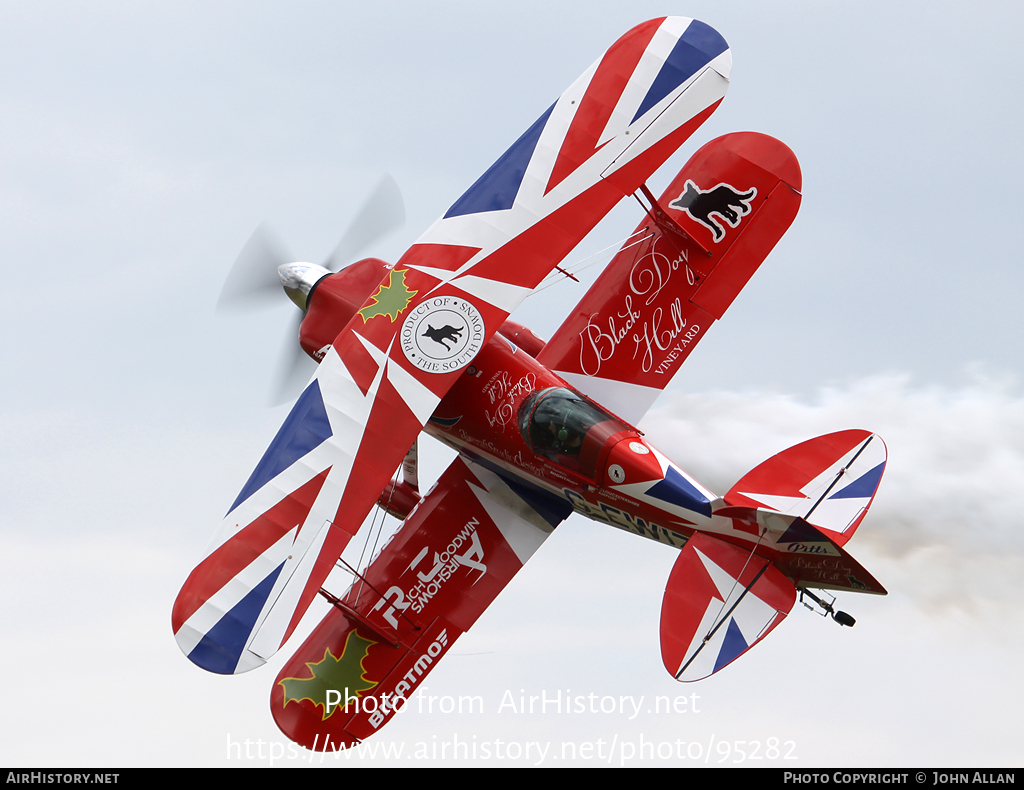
x,y
552,409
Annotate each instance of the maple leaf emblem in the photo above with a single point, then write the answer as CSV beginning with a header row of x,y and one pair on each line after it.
x,y
390,299
344,674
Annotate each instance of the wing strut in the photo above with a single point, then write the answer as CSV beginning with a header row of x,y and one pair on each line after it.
x,y
410,477
363,580
348,611
410,466
668,226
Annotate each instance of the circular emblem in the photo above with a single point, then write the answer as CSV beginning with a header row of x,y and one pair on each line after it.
x,y
442,334
616,473
639,448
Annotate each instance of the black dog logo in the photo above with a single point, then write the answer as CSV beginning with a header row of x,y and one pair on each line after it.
x,y
723,200
446,332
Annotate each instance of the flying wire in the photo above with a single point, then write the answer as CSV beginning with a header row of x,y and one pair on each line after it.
x,y
719,624
736,581
376,530
582,265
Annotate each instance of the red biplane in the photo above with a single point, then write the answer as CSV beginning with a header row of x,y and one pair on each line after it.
x,y
542,430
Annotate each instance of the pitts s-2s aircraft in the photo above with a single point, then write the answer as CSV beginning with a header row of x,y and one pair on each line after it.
x,y
542,430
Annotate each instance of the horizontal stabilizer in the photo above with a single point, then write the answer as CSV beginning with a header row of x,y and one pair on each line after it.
x,y
829,481
720,601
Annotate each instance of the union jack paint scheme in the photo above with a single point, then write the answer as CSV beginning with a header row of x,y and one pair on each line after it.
x,y
542,430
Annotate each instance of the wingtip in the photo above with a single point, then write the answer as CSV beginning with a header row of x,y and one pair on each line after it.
x,y
213,655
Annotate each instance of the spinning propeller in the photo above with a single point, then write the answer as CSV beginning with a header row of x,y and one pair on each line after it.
x,y
263,268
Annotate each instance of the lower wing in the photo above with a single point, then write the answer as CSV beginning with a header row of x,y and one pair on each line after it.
x,y
455,552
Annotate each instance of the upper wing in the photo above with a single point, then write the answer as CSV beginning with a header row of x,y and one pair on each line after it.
x,y
389,368
456,551
678,273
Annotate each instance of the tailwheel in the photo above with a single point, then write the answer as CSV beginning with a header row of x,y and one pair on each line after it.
x,y
826,607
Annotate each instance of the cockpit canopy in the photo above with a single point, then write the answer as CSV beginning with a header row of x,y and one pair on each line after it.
x,y
560,425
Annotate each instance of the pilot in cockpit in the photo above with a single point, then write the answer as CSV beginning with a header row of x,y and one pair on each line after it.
x,y
554,423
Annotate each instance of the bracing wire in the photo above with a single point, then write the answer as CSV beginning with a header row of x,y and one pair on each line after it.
x,y
719,619
582,264
735,582
375,531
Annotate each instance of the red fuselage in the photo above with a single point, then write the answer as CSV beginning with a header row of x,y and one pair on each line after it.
x,y
511,414
486,416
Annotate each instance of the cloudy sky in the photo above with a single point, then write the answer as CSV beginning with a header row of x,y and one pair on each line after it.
x,y
143,143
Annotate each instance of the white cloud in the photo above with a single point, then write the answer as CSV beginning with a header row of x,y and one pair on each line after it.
x,y
951,503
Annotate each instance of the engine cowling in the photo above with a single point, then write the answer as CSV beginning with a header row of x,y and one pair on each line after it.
x,y
334,300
